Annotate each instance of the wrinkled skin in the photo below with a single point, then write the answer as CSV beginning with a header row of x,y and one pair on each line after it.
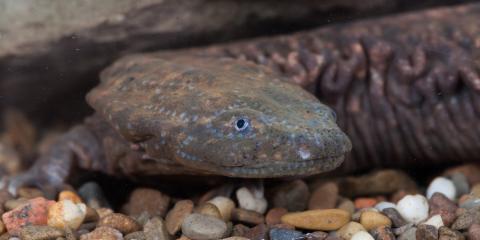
x,y
405,88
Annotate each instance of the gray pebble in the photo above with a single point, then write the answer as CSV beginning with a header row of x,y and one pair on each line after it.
x,y
155,229
284,234
472,203
409,234
93,195
394,215
199,226
461,183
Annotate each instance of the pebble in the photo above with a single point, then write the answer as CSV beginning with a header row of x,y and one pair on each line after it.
x,y
362,235
317,235
147,200
379,182
435,221
445,233
440,204
103,233
40,233
198,226
475,190
66,213
442,185
247,216
466,219
413,208
383,205
29,193
155,229
34,212
347,231
474,232
383,233
320,219
93,196
409,234
225,206
122,223
395,217
139,235
365,203
259,232
470,203
72,196
371,220
402,229
347,205
284,234
292,196
239,230
209,209
470,171
274,215
235,238
251,200
14,203
324,197
175,217
426,232
461,183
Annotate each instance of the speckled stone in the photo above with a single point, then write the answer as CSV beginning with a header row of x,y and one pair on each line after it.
x,y
139,235
103,233
409,234
439,204
317,235
122,223
284,234
474,232
155,229
40,233
383,233
427,232
198,226
445,233
466,219
34,212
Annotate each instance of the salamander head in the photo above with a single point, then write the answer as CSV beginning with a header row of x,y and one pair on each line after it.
x,y
222,117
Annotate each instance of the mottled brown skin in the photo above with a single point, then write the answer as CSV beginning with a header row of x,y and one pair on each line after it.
x,y
405,88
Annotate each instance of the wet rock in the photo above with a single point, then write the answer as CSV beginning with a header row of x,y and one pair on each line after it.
x,y
427,232
252,200
324,196
103,233
371,220
93,195
40,233
292,196
175,217
413,208
383,233
347,231
445,233
321,219
225,206
198,226
362,235
155,229
397,219
380,182
34,212
122,223
439,204
274,215
284,234
147,200
246,216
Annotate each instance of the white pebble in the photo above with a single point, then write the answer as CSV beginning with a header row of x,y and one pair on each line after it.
x,y
413,208
362,235
382,205
225,206
66,213
435,220
250,201
442,185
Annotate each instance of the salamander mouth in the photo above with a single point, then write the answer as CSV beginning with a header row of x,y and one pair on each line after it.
x,y
282,169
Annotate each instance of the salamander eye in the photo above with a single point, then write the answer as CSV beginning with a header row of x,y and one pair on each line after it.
x,y
242,124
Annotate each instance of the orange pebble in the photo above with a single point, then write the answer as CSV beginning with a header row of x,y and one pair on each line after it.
x,y
34,212
365,202
69,195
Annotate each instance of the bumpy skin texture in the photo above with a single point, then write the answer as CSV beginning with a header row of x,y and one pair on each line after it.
x,y
405,88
